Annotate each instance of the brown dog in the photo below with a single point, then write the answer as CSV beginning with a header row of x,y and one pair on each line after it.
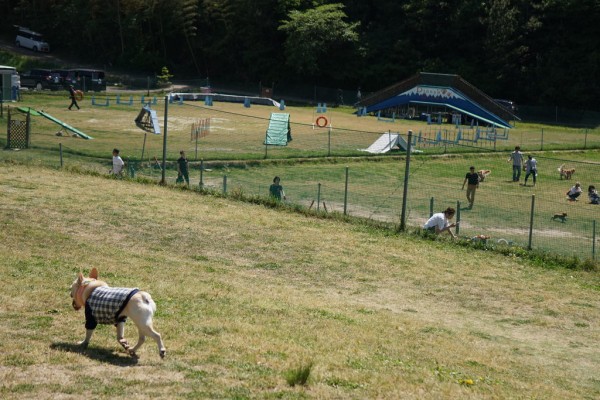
x,y
566,173
106,305
561,216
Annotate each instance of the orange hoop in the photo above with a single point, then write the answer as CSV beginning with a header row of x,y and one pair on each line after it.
x,y
323,120
78,95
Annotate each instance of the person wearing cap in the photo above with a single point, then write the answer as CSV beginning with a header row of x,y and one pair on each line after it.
x,y
72,96
472,178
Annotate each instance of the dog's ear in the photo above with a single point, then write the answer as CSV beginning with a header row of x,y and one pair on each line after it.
x,y
94,273
79,278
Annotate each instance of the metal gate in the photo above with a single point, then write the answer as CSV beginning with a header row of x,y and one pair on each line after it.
x,y
18,131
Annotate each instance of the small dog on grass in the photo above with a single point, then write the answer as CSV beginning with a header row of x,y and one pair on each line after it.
x,y
483,173
561,216
566,173
106,305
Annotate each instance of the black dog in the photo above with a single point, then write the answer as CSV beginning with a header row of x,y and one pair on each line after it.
x,y
561,216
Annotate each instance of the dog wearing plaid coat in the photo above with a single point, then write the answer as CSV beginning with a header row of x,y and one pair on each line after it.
x,y
106,305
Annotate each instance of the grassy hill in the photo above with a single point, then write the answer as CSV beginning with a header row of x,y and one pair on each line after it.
x,y
248,295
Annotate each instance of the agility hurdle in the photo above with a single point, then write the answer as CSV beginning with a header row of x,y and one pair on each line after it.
x,y
154,101
125,103
384,119
106,104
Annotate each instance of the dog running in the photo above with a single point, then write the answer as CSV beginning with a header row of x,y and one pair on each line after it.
x,y
566,173
561,216
107,305
483,173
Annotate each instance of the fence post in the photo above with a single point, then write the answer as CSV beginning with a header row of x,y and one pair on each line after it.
x,y
61,155
329,141
318,196
163,180
406,172
346,194
457,217
144,147
585,141
224,184
593,239
531,222
431,207
542,146
201,184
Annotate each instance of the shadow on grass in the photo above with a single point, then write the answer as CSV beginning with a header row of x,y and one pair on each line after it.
x,y
97,354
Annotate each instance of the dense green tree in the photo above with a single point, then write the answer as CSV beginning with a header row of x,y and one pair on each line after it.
x,y
533,51
320,43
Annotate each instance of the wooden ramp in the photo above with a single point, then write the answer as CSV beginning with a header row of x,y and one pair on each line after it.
x,y
65,125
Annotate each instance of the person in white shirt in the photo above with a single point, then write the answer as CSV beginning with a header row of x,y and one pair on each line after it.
x,y
530,169
574,192
118,163
517,161
440,222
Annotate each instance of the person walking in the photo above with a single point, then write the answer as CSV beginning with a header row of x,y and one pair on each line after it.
x,y
472,178
182,169
530,169
73,96
276,190
517,161
118,164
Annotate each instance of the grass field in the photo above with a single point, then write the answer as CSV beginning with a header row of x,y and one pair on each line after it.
x,y
248,295
375,188
238,133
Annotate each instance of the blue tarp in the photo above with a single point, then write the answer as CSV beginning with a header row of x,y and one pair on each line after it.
x,y
441,96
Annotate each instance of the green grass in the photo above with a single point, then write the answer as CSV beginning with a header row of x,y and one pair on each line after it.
x,y
375,183
246,294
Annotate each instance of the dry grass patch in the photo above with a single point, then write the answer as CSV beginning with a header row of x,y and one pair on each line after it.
x,y
246,294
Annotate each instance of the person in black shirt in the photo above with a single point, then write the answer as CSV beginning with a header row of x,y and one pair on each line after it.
x,y
72,95
472,178
182,169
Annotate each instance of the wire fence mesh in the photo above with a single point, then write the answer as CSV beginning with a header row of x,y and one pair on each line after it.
x,y
373,188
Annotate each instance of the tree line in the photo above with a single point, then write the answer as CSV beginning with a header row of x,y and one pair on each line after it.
x,y
544,52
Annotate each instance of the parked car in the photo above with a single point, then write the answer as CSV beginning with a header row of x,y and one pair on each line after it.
x,y
31,40
59,77
86,79
37,79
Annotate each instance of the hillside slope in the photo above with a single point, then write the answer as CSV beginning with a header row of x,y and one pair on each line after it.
x,y
246,294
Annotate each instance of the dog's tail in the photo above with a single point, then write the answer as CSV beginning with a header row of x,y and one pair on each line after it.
x,y
560,169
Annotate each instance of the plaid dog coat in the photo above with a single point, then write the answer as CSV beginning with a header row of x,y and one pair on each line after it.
x,y
105,304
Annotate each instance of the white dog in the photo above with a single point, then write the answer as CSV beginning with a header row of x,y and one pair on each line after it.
x,y
483,173
106,305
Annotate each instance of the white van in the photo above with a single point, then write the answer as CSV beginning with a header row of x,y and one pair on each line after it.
x,y
10,83
31,40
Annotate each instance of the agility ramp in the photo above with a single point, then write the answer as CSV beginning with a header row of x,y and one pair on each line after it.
x,y
65,125
386,142
279,132
147,120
